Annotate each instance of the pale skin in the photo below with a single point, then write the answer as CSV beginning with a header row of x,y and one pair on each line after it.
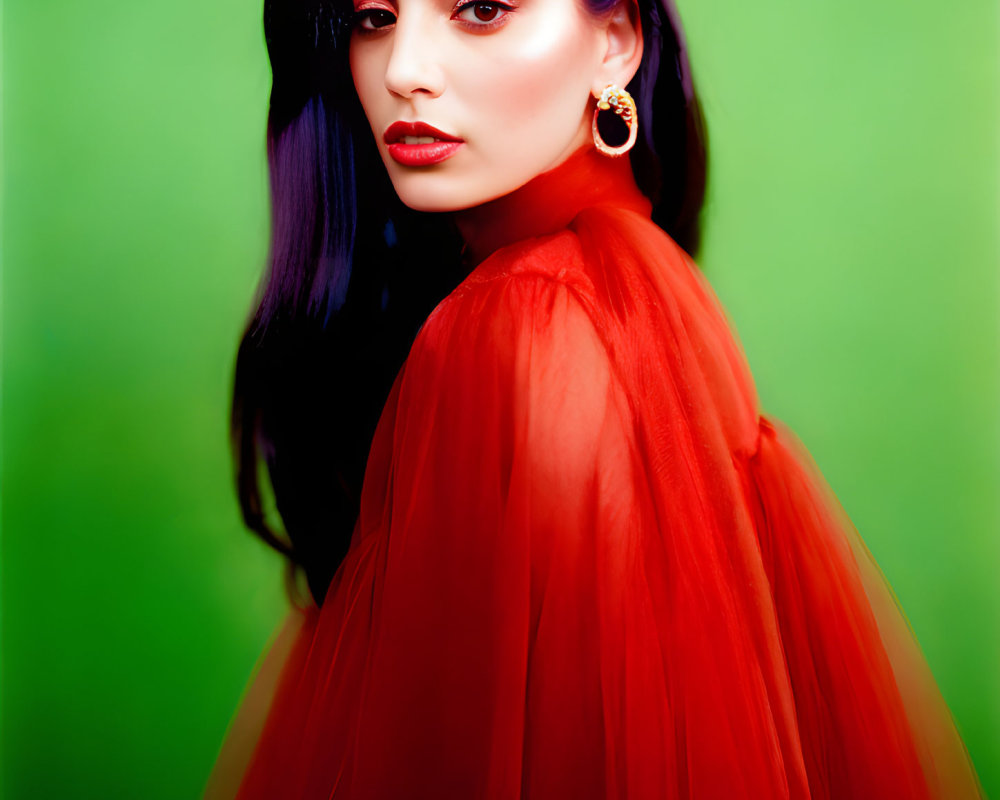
x,y
517,81
520,87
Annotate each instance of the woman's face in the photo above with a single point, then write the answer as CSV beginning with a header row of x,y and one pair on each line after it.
x,y
511,79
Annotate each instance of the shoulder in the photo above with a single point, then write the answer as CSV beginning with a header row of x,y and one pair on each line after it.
x,y
529,325
517,358
522,296
557,258
520,285
521,352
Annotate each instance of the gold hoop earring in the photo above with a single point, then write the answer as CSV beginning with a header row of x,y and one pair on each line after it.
x,y
624,106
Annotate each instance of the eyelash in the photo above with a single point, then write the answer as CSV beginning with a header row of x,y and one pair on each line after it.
x,y
365,13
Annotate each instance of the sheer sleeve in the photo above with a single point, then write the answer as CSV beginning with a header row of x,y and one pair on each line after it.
x,y
511,472
461,650
873,720
586,566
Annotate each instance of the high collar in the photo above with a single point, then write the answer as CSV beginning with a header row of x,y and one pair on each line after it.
x,y
549,202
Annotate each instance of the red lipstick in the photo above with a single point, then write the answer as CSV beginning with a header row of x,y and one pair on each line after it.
x,y
419,155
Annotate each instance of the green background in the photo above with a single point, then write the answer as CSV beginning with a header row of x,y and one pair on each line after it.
x,y
851,232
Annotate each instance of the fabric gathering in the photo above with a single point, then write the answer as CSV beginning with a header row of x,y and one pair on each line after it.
x,y
588,564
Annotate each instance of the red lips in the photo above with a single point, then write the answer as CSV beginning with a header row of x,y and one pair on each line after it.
x,y
399,129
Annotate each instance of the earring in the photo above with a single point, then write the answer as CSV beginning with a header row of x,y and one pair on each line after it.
x,y
624,106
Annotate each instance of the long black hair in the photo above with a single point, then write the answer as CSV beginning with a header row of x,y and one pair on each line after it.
x,y
352,273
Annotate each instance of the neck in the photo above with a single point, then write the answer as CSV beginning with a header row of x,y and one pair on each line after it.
x,y
549,202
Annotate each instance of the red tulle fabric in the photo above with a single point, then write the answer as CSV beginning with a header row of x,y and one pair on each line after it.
x,y
587,566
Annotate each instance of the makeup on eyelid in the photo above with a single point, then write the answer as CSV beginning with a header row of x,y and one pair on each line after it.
x,y
362,14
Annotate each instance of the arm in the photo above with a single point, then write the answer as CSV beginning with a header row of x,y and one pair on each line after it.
x,y
511,477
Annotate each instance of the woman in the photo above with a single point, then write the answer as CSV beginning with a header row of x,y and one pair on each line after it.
x,y
581,562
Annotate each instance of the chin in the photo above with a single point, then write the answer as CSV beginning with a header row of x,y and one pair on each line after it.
x,y
435,193
417,199
452,185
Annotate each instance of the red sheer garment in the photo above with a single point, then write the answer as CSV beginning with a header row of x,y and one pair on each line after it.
x,y
587,567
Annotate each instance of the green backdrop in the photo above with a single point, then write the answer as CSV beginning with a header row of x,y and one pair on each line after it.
x,y
850,232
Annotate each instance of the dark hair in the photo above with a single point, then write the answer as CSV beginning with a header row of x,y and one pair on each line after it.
x,y
353,273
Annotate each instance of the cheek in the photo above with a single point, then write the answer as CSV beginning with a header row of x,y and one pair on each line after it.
x,y
537,84
364,74
352,60
356,74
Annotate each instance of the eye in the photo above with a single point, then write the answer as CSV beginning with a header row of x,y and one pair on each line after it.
x,y
380,18
485,14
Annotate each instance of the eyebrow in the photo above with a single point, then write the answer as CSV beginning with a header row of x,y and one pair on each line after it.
x,y
396,3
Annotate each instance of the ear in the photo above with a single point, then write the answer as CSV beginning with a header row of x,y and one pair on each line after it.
x,y
622,40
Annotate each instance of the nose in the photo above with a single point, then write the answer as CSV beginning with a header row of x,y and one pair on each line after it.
x,y
414,63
